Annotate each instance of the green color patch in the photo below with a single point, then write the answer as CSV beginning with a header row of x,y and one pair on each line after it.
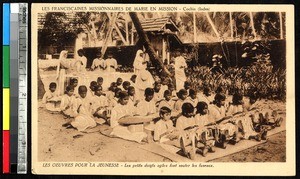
x,y
6,67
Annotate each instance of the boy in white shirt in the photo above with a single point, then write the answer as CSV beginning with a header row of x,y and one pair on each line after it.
x,y
167,101
111,63
51,99
81,67
147,106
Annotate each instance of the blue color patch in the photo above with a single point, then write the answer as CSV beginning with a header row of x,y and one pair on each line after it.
x,y
6,23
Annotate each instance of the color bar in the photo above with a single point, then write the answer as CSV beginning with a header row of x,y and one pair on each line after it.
x,y
6,22
6,149
6,109
6,66
6,87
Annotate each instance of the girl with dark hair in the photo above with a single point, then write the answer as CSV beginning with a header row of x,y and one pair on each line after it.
x,y
67,103
182,95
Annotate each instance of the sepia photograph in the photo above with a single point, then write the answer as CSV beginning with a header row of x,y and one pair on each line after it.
x,y
147,86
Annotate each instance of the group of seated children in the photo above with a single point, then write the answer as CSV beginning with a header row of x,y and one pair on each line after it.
x,y
190,120
200,128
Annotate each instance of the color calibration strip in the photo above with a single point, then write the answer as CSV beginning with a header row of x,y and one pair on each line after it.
x,y
6,87
14,81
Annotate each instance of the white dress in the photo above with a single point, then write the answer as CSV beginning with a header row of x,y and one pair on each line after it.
x,y
99,63
84,120
144,108
180,76
112,64
51,101
161,127
138,62
143,80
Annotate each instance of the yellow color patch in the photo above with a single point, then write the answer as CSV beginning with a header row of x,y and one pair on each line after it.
x,y
6,108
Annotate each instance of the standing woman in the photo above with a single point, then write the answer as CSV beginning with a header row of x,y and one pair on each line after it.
x,y
63,64
180,66
139,63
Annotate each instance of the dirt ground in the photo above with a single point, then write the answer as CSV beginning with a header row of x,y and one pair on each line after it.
x,y
58,144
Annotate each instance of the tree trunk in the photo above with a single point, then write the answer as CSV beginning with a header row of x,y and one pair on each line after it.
x,y
146,42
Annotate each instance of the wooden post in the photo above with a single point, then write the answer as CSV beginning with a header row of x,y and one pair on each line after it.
x,y
126,28
281,25
212,24
132,34
108,35
195,28
231,25
164,48
94,31
252,24
114,25
119,33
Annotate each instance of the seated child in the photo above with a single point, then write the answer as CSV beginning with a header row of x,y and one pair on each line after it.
x,y
202,117
192,98
251,103
221,90
84,119
119,82
249,131
186,121
147,106
164,84
237,104
158,93
68,105
228,129
132,97
125,85
91,91
207,131
51,99
74,85
99,103
182,95
216,109
167,101
206,96
113,102
187,86
132,79
171,88
185,124
110,94
99,81
121,110
163,125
